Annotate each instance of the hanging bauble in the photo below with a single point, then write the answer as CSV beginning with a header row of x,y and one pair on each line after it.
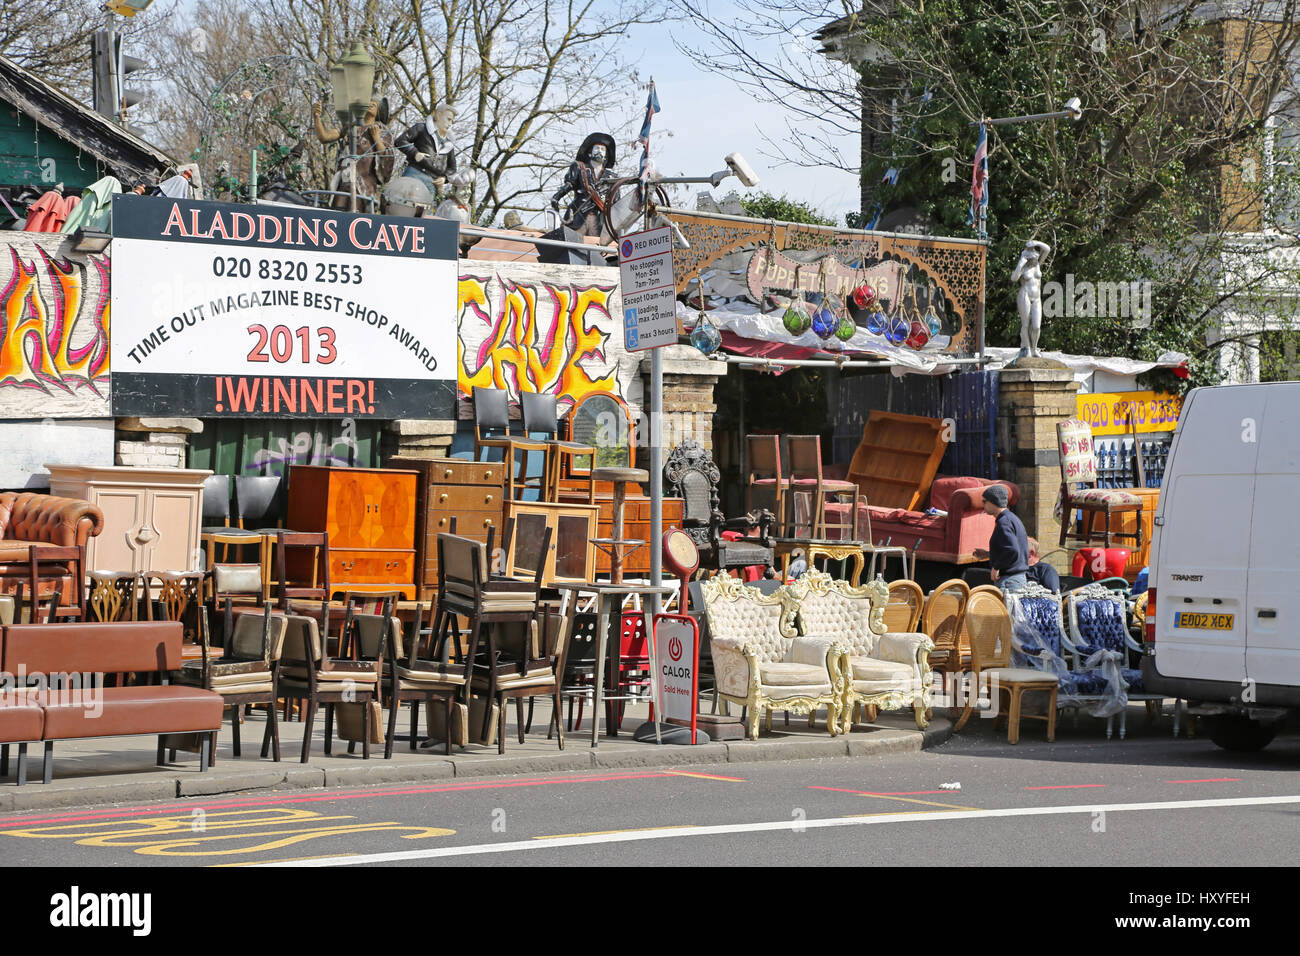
x,y
918,335
932,322
897,330
876,323
797,320
705,336
863,296
846,329
824,322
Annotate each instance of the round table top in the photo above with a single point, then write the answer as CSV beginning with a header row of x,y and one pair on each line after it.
x,y
637,475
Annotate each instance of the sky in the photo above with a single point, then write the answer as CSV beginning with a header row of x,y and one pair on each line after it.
x,y
709,116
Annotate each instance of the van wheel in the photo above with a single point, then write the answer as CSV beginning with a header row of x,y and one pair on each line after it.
x,y
1241,733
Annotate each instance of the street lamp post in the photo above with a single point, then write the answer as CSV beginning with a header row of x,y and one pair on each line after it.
x,y
353,80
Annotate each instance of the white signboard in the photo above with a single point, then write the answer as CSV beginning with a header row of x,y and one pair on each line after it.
x,y
677,640
645,260
250,311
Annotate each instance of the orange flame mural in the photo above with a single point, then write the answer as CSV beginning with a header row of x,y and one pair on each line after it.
x,y
36,335
526,349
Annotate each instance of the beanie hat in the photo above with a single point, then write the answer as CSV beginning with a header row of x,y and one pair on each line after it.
x,y
996,494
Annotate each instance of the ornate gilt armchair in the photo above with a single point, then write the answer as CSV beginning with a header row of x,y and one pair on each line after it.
x,y
762,663
882,670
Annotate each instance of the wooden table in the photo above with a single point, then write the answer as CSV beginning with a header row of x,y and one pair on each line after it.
x,y
607,595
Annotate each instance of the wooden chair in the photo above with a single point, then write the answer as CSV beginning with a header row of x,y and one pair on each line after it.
x,y
180,593
765,482
247,670
492,430
690,474
318,543
114,595
903,612
541,417
405,675
1079,468
67,568
806,478
990,631
309,675
942,620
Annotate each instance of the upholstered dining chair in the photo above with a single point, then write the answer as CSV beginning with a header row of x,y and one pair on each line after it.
x,y
1079,491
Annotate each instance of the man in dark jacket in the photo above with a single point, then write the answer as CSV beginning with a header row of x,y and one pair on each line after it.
x,y
1008,551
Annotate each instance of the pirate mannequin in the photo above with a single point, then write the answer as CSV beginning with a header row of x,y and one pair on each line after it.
x,y
588,178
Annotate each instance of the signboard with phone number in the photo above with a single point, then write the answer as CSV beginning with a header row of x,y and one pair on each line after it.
x,y
1109,413
272,311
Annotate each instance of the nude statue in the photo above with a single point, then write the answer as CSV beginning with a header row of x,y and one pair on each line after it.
x,y
1029,300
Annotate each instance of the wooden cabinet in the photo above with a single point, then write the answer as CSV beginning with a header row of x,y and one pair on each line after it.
x,y
571,556
473,492
370,516
151,515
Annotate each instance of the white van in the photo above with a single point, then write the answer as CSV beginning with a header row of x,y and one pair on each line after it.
x,y
1223,618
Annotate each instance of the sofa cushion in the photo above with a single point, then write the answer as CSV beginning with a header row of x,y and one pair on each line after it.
x,y
121,711
869,668
21,718
1103,496
778,675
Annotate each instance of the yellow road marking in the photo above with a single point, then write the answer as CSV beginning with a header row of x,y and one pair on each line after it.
x,y
703,776
591,833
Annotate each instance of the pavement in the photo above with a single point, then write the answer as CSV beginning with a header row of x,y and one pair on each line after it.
x,y
122,769
1149,800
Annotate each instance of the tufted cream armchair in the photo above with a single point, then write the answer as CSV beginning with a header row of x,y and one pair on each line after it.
x,y
762,663
881,669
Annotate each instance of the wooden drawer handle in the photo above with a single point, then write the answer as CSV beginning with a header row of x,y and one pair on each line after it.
x,y
487,522
442,497
447,473
487,499
488,473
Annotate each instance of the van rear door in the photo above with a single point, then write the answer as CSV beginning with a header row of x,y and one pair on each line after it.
x,y
1202,542
1273,606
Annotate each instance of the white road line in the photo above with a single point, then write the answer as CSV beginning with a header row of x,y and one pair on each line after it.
x,y
668,833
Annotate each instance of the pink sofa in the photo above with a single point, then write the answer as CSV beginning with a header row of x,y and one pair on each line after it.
x,y
952,537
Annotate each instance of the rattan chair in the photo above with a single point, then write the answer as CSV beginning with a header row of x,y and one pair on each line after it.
x,y
942,619
990,631
903,612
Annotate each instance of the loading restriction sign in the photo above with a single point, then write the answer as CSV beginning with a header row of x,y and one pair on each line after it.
x,y
645,261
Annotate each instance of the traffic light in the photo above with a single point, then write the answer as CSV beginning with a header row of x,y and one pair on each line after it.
x,y
110,66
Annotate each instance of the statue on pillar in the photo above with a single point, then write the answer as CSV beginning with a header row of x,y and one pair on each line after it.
x,y
1029,300
430,153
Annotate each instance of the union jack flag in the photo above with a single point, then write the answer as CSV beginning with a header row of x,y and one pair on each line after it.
x,y
646,168
979,180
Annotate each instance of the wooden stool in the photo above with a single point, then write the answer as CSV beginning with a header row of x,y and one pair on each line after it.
x,y
620,478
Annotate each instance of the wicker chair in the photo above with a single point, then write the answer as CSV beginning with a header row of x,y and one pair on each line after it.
x,y
942,619
903,612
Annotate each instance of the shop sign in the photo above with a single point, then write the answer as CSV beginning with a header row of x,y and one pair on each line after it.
x,y
769,269
676,654
277,311
1109,413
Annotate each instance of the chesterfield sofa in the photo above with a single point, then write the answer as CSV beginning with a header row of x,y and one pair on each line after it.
x,y
27,518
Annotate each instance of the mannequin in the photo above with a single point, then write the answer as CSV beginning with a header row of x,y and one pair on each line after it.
x,y
430,153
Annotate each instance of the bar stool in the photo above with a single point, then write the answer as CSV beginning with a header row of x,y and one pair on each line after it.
x,y
492,415
541,416
613,546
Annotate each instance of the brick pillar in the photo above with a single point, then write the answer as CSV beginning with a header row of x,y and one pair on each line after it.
x,y
419,437
154,442
688,405
1030,402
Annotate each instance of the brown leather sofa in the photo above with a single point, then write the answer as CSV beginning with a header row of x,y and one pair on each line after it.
x,y
27,518
125,647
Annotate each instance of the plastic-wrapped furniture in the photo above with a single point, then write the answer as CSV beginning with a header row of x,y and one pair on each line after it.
x,y
882,669
760,660
1097,619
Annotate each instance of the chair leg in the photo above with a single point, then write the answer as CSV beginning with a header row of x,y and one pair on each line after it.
x,y
205,752
529,725
22,765
365,729
392,726
162,751
309,706
234,729
1013,718
415,721
329,728
519,717
47,763
4,760
1051,715
559,728
501,720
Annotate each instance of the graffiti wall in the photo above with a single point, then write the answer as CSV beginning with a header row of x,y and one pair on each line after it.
x,y
543,328
54,320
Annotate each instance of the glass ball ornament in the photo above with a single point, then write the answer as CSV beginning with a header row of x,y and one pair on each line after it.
x,y
846,329
824,323
705,336
932,322
918,335
863,296
796,319
898,330
876,323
